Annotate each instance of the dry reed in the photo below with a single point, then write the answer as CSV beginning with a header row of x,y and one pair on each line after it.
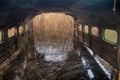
x,y
54,28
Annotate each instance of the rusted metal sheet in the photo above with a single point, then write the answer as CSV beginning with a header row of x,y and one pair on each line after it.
x,y
96,45
12,44
86,40
110,53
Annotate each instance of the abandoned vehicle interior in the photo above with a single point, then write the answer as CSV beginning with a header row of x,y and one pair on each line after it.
x,y
59,39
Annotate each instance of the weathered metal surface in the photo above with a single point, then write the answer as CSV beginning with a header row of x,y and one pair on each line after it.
x,y
88,12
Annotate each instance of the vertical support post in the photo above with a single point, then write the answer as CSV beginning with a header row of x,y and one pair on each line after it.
x,y
6,37
119,75
119,63
5,34
16,37
76,38
83,32
90,38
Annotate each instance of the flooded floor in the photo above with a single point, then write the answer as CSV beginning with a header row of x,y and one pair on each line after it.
x,y
51,63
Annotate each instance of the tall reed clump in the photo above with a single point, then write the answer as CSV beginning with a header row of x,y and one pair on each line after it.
x,y
55,28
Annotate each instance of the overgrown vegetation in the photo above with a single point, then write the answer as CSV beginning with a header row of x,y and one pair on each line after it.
x,y
54,28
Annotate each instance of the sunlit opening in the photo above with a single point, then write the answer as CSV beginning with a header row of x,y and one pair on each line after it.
x,y
53,33
86,29
0,36
21,29
11,32
95,31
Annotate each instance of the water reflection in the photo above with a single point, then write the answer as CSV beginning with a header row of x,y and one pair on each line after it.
x,y
51,51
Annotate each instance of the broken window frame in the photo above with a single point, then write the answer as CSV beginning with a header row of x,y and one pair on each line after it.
x,y
21,31
13,32
108,39
86,29
80,27
26,27
95,33
2,37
